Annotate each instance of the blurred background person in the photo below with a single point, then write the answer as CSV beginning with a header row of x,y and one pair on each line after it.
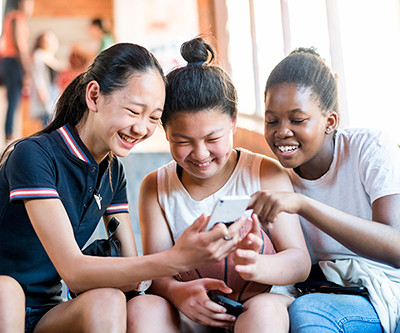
x,y
15,66
100,31
45,68
76,65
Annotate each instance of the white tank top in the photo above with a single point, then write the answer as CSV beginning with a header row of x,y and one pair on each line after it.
x,y
179,207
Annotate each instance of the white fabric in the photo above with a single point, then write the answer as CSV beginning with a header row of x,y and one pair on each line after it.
x,y
382,282
366,166
179,207
42,61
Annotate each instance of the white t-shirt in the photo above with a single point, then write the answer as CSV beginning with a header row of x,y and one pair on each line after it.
x,y
365,167
179,207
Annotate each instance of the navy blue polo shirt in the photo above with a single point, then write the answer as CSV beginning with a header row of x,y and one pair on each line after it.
x,y
55,165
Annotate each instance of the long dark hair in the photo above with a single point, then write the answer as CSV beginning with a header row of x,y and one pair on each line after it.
x,y
111,69
199,85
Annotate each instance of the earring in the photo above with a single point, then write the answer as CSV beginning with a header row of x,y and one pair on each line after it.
x,y
327,130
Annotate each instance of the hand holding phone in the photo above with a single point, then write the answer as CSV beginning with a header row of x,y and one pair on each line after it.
x,y
232,307
228,209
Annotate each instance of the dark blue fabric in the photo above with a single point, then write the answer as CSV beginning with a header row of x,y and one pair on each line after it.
x,y
47,163
12,74
32,317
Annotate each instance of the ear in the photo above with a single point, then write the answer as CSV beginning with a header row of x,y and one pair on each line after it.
x,y
332,122
234,123
92,95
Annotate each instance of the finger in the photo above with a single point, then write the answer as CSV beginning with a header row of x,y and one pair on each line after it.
x,y
254,241
245,271
253,199
215,319
235,227
218,314
255,226
215,284
199,223
246,255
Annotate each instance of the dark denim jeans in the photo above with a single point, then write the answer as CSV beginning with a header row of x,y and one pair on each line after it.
x,y
12,74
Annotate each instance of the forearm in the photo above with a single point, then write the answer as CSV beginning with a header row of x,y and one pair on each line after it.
x,y
88,272
168,288
370,239
286,267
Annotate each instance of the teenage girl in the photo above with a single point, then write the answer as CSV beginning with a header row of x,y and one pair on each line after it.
x,y
199,120
56,185
347,184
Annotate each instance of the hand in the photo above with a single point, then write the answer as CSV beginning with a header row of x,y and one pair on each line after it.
x,y
195,304
267,204
247,253
195,248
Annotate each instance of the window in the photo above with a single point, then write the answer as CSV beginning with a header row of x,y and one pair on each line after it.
x,y
359,40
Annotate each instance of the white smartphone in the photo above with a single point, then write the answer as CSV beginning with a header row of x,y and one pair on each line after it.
x,y
228,209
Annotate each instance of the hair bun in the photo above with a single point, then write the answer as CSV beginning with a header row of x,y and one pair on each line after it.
x,y
197,51
310,50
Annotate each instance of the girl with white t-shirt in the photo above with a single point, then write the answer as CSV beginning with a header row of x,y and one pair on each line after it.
x,y
347,184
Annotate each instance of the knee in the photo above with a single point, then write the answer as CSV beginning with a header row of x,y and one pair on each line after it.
x,y
11,291
142,304
153,313
273,305
103,305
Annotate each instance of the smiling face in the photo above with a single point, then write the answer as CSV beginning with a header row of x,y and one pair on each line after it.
x,y
201,143
295,129
124,118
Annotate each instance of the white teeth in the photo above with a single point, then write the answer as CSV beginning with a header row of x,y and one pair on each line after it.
x,y
126,138
203,164
287,149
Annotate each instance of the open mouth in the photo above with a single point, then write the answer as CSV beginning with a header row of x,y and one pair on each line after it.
x,y
202,164
127,138
287,149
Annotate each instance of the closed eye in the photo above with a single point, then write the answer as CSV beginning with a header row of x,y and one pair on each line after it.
x,y
299,121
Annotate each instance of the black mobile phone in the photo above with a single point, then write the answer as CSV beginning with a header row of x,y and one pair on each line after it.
x,y
362,291
232,307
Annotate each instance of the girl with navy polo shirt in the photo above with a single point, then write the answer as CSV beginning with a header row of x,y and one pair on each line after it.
x,y
56,185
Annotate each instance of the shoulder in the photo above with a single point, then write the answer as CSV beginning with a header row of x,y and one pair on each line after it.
x,y
30,148
361,135
272,175
271,168
148,187
364,140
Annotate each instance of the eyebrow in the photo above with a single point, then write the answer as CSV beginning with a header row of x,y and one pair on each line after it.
x,y
188,137
290,111
144,106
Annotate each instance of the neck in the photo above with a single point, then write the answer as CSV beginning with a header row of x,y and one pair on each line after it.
x,y
319,164
90,142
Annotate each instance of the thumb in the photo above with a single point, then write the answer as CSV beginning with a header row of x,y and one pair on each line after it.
x,y
199,224
215,284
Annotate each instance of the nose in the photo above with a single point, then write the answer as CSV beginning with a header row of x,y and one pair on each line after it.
x,y
283,131
139,128
200,152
